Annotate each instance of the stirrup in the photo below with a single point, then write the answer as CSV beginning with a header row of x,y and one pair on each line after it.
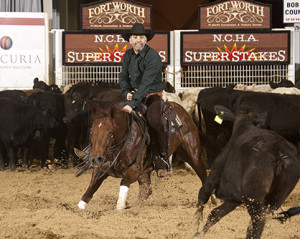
x,y
159,161
166,162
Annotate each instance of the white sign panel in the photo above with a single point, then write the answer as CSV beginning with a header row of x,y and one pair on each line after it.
x,y
291,11
23,49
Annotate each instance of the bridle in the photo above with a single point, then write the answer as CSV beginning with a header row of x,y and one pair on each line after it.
x,y
84,166
118,146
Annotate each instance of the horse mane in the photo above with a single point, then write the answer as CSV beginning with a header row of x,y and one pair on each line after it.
x,y
97,85
107,108
107,85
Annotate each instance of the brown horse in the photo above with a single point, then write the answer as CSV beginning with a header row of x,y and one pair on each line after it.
x,y
119,148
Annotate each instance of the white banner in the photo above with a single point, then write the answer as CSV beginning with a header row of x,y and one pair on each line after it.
x,y
291,11
23,49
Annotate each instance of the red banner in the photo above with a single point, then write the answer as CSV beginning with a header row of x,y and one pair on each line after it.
x,y
235,47
106,48
235,14
115,14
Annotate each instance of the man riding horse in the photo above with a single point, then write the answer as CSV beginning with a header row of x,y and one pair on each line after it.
x,y
141,82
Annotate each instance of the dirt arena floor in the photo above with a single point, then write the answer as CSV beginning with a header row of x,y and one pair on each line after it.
x,y
43,204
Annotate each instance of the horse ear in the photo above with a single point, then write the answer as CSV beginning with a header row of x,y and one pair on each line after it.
x,y
80,154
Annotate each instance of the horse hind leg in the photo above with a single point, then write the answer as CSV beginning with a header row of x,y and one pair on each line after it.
x,y
144,181
192,157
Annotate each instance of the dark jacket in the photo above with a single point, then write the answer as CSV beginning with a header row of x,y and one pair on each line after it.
x,y
141,72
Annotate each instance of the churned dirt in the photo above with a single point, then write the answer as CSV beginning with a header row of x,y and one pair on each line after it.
x,y
41,203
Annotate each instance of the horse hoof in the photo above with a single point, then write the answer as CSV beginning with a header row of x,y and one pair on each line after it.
x,y
120,209
162,173
121,206
81,205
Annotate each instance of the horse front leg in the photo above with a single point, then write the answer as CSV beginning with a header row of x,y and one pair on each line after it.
x,y
95,183
121,203
131,176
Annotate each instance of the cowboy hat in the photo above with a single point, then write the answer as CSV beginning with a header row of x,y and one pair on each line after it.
x,y
138,29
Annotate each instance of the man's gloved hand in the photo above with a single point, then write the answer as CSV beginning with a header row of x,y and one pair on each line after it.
x,y
127,108
129,96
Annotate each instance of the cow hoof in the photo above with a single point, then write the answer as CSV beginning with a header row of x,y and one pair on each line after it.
x,y
162,173
198,235
214,199
81,205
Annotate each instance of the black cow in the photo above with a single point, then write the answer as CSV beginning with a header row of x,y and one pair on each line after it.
x,y
282,112
3,156
79,98
78,101
214,136
77,105
19,122
168,87
43,86
13,95
282,83
282,115
53,103
257,167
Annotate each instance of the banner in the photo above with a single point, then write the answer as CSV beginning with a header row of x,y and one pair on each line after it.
x,y
103,48
291,11
235,47
235,14
115,14
23,49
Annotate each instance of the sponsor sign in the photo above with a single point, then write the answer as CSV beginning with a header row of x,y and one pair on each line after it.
x,y
235,47
103,48
23,49
235,14
115,14
291,11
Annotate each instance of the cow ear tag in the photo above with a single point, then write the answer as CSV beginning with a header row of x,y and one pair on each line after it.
x,y
218,119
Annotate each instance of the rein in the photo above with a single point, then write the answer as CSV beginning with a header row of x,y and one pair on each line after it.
x,y
141,124
118,146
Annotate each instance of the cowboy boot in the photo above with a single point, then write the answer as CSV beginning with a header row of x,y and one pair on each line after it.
x,y
160,166
161,163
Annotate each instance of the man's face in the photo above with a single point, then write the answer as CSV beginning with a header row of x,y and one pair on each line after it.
x,y
138,42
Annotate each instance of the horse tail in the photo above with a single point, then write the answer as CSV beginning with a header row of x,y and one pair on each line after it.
x,y
283,216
